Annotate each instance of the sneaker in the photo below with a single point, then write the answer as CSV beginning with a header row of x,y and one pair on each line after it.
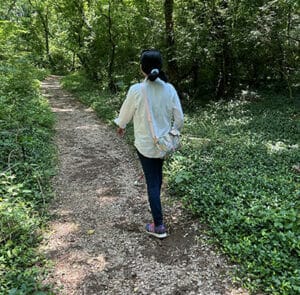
x,y
156,231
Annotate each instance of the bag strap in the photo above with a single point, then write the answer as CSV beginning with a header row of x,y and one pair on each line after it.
x,y
148,113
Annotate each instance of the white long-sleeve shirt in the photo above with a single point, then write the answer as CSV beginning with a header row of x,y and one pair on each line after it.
x,y
165,109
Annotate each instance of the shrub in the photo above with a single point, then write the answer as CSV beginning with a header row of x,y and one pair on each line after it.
x,y
26,158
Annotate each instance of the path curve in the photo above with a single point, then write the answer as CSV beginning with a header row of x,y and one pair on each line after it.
x,y
96,238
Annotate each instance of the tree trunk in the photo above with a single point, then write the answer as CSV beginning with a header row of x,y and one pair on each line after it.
x,y
46,30
288,29
73,60
111,82
172,67
43,14
81,53
224,58
225,83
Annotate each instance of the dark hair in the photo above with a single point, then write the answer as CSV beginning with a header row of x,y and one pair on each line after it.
x,y
151,62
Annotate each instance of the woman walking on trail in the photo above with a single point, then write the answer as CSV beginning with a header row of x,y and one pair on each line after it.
x,y
159,98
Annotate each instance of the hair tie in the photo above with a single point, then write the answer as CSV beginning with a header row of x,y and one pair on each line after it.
x,y
154,72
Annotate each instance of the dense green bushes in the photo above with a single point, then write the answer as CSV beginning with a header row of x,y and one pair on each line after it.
x,y
236,173
210,48
26,157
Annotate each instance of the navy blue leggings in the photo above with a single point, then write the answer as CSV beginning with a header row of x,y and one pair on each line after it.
x,y
152,168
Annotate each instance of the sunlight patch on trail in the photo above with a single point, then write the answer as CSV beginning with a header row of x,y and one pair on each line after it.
x,y
88,127
59,110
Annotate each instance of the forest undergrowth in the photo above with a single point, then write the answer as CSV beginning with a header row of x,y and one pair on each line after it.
x,y
27,159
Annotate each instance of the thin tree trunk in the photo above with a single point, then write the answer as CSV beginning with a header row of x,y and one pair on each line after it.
x,y
111,82
225,84
288,80
170,41
46,30
44,18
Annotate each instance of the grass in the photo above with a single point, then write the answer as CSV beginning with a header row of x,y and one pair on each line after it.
x,y
237,172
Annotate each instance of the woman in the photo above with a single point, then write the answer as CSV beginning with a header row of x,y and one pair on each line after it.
x,y
163,104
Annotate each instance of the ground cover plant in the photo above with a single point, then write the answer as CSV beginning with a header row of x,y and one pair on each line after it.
x,y
26,158
239,172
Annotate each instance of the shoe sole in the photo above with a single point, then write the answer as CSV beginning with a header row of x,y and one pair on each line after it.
x,y
160,236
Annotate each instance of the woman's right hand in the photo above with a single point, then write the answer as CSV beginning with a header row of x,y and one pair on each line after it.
x,y
121,131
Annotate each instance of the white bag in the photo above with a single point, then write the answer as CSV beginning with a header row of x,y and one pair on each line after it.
x,y
169,142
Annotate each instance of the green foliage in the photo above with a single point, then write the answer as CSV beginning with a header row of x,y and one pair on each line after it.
x,y
218,47
26,158
236,173
233,44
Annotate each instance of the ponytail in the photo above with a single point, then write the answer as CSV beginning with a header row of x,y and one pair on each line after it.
x,y
157,73
153,74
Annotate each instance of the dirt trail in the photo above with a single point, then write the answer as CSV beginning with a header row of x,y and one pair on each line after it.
x,y
96,239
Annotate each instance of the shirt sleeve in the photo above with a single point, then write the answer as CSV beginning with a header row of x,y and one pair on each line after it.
x,y
177,112
127,110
